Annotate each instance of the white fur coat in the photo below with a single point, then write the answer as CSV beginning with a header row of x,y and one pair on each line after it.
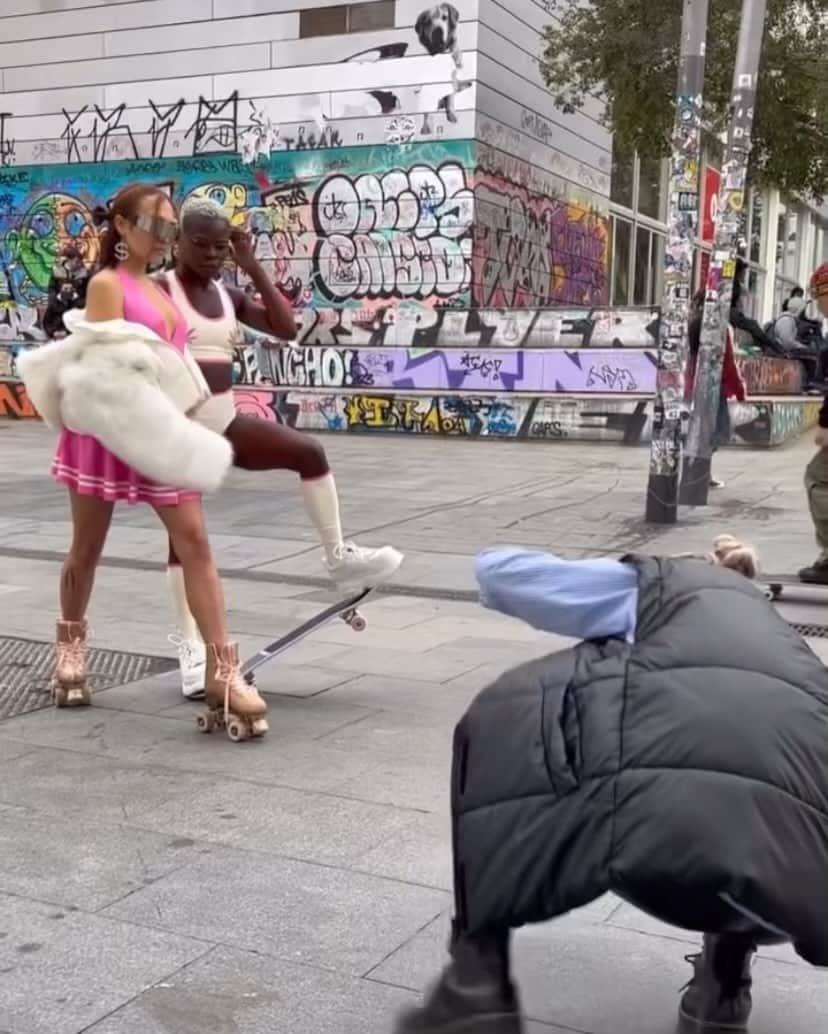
x,y
124,385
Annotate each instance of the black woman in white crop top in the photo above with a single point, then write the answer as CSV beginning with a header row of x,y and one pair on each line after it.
x,y
206,243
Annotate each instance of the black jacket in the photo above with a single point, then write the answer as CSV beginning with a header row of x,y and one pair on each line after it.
x,y
688,773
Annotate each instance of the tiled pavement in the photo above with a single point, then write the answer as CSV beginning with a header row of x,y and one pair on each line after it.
x,y
153,881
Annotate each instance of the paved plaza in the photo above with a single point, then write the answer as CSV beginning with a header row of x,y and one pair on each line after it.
x,y
155,881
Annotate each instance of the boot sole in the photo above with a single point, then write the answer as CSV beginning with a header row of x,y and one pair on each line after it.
x,y
689,1025
493,1023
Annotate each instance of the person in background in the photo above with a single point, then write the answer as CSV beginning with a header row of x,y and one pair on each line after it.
x,y
739,318
797,292
816,473
732,385
67,290
625,764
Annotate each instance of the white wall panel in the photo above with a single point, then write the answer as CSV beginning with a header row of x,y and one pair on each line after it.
x,y
33,52
150,68
517,64
579,160
15,7
323,50
349,133
106,19
233,31
164,91
381,75
50,102
406,12
245,8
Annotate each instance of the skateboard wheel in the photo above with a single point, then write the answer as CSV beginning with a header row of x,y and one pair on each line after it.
x,y
237,730
205,722
358,623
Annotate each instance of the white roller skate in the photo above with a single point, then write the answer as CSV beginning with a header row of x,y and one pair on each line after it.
x,y
192,664
232,703
70,687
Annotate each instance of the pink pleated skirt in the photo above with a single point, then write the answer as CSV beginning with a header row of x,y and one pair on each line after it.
x,y
88,468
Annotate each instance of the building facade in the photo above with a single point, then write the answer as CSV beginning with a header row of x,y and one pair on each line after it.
x,y
464,257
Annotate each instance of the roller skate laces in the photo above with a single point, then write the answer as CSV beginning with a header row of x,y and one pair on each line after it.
x,y
232,703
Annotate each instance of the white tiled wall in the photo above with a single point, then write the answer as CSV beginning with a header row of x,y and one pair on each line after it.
x,y
58,57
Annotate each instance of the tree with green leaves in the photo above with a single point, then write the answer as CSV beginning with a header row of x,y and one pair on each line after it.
x,y
626,52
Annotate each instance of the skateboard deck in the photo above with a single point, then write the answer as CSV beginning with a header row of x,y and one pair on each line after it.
x,y
345,609
778,583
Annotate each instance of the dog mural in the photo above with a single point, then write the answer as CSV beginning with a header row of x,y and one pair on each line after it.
x,y
436,29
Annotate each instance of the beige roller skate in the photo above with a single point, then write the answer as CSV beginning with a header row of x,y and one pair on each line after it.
x,y
70,688
232,704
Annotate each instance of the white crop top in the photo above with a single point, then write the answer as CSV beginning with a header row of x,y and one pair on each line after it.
x,y
209,340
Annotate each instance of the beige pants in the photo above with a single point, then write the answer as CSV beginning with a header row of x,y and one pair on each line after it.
x,y
816,485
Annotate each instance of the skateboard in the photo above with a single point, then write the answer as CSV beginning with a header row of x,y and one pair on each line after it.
x,y
346,610
777,583
239,728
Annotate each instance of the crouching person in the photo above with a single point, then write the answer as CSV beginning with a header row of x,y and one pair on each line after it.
x,y
677,756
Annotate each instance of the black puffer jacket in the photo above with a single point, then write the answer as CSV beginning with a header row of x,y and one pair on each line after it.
x,y
688,773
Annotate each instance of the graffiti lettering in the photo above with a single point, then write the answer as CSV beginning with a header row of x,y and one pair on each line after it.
x,y
536,251
6,144
309,141
110,136
405,233
216,125
613,378
163,120
311,367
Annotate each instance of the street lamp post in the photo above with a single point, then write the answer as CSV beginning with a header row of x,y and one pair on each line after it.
x,y
730,226
683,221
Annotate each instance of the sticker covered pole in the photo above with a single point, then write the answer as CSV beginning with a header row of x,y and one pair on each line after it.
x,y
683,220
729,233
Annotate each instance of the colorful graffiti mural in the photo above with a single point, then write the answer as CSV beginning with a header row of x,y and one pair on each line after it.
x,y
535,250
538,417
456,369
418,229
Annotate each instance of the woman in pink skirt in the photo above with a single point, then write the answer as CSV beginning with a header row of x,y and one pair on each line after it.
x,y
141,225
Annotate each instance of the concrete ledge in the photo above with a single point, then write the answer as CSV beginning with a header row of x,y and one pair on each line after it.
x,y
627,419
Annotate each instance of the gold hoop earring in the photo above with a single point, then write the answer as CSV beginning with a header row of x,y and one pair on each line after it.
x,y
121,251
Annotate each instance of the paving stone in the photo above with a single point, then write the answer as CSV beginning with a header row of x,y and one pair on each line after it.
x,y
324,828
60,971
89,865
291,910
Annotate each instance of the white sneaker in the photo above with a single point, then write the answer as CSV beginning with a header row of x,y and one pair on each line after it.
x,y
363,567
192,663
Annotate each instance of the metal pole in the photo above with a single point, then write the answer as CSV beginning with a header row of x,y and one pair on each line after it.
x,y
730,226
683,221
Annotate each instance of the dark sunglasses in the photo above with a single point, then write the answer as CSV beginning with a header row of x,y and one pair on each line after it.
x,y
161,229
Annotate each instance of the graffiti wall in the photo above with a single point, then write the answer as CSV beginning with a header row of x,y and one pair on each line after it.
x,y
351,227
536,418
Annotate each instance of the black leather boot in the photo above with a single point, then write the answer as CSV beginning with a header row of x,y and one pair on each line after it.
x,y
475,994
717,1000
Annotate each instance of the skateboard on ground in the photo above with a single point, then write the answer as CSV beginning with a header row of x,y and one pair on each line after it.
x,y
346,610
239,728
777,583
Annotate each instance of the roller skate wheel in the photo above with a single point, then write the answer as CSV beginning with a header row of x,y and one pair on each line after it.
x,y
237,730
250,678
259,727
358,623
205,722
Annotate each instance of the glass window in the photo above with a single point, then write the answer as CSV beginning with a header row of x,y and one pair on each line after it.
x,y
656,269
323,21
621,241
757,225
651,187
642,267
365,17
623,177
